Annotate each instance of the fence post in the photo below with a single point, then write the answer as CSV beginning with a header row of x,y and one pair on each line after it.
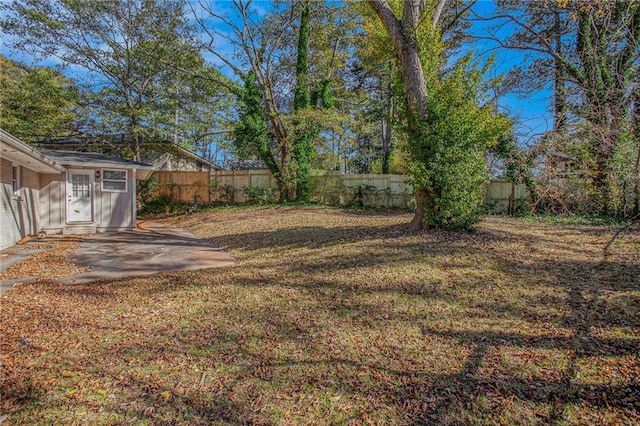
x,y
512,199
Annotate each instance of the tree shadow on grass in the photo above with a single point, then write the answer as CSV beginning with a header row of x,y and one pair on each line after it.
x,y
419,398
307,237
314,237
583,293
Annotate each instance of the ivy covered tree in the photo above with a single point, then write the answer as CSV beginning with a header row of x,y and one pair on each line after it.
x,y
590,50
303,143
251,133
292,91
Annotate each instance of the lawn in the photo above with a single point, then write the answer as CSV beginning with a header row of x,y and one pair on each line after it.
x,y
341,317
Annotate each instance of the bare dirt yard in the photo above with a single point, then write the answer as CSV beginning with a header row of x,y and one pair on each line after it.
x,y
340,317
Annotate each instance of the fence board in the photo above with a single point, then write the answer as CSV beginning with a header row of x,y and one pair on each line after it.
x,y
502,196
331,187
184,187
231,184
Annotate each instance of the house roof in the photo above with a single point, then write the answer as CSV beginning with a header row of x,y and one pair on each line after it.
x,y
561,155
19,152
93,159
117,139
246,165
193,155
54,161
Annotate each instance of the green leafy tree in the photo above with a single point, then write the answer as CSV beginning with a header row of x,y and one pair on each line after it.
x,y
125,45
36,102
448,129
449,158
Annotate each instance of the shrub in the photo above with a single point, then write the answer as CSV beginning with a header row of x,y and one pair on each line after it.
x,y
260,194
363,195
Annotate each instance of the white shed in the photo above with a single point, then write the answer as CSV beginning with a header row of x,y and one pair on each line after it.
x,y
64,191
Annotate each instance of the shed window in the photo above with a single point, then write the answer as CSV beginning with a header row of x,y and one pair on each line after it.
x,y
15,179
114,180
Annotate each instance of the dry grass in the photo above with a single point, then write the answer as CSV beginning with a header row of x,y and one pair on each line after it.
x,y
334,317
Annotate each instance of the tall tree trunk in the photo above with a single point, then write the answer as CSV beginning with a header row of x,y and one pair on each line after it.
x,y
135,139
301,96
176,118
636,185
386,128
386,145
282,170
421,196
132,104
609,74
403,34
635,135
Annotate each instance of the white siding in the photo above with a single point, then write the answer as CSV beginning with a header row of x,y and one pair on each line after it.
x,y
113,210
53,201
19,214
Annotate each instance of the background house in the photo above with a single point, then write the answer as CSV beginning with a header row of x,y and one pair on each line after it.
x,y
560,165
62,191
163,155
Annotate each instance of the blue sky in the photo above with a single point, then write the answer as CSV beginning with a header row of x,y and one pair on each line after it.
x,y
531,113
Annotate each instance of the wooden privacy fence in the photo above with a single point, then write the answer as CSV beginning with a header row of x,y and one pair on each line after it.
x,y
503,196
326,187
184,187
230,186
373,190
334,188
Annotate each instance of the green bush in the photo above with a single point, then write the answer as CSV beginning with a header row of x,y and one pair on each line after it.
x,y
147,188
260,195
448,164
363,195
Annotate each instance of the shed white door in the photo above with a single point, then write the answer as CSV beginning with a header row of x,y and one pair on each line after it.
x,y
80,196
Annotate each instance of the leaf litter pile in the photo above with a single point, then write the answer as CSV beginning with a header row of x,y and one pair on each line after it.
x,y
338,317
55,260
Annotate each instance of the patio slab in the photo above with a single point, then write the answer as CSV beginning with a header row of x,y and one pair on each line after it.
x,y
150,249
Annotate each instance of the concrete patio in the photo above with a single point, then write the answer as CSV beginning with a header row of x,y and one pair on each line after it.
x,y
150,249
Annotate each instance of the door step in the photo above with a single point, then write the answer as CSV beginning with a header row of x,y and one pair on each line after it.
x,y
79,229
